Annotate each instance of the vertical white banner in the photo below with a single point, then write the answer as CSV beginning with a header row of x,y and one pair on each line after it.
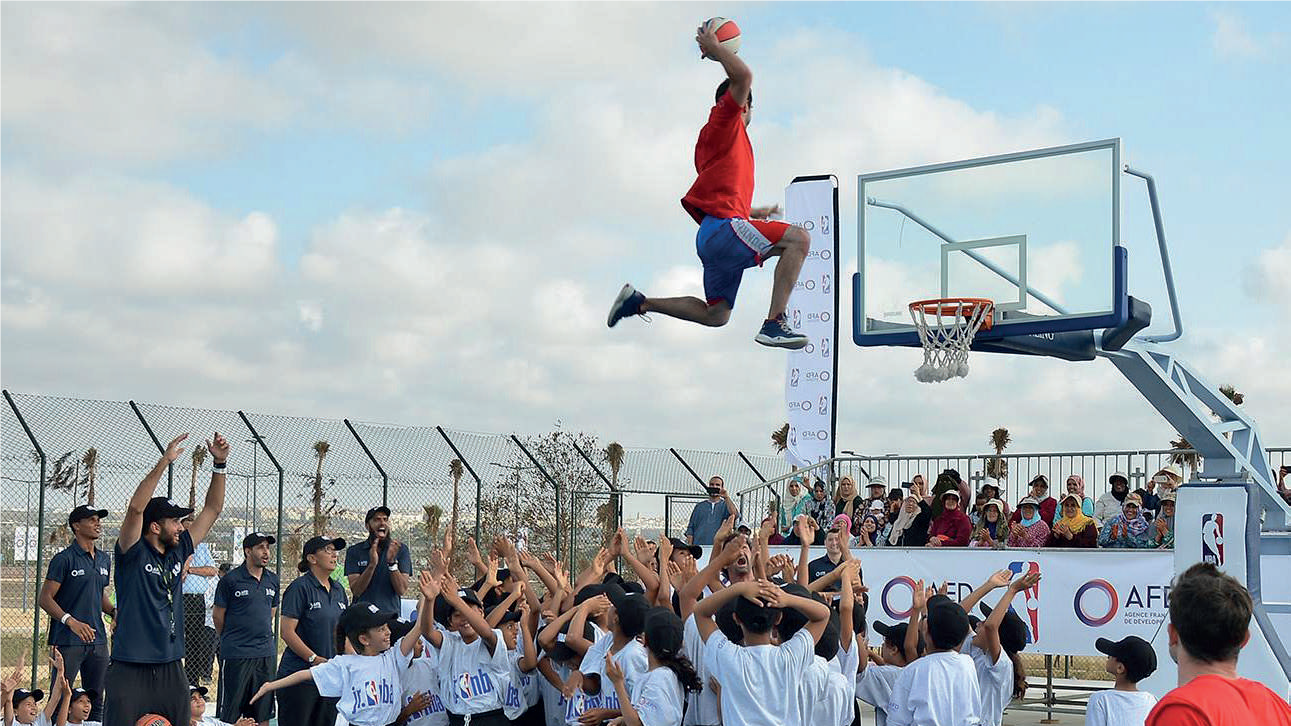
x,y
25,543
239,533
812,203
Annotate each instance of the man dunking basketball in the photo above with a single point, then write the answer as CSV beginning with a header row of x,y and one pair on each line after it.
x,y
733,236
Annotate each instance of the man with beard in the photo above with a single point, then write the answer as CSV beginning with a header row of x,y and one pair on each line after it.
x,y
245,601
707,516
75,597
1109,505
146,671
379,567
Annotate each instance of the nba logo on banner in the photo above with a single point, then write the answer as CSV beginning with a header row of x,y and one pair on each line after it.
x,y
1212,539
1032,598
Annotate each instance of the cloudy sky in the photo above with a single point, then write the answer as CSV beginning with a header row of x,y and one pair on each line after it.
x,y
418,213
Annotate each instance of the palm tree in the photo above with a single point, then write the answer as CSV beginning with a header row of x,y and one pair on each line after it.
x,y
64,475
1184,455
91,463
431,518
608,513
320,452
199,458
998,468
780,439
614,455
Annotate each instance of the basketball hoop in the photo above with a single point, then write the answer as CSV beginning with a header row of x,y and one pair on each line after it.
x,y
946,328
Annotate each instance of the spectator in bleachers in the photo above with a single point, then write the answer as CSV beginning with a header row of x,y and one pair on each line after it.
x,y
1031,529
989,491
949,479
1167,479
847,500
821,509
1076,485
1073,528
1108,506
707,516
951,528
1163,525
919,487
1047,506
992,529
878,489
895,496
910,529
794,503
1129,529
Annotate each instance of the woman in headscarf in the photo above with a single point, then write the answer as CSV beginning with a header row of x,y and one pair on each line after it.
x,y
1163,525
847,500
1128,529
988,492
1073,528
1030,530
1076,485
950,528
992,528
910,527
795,503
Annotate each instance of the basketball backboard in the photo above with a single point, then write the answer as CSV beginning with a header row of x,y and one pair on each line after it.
x,y
1034,231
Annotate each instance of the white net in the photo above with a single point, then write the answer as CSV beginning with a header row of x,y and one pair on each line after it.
x,y
946,330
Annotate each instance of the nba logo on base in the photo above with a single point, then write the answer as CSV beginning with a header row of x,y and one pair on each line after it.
x,y
1032,598
1212,539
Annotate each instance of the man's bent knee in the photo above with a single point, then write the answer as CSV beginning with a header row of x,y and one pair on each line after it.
x,y
798,239
718,315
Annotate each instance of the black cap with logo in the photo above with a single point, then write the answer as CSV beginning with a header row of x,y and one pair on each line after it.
x,y
1133,652
85,512
255,538
362,617
160,508
374,512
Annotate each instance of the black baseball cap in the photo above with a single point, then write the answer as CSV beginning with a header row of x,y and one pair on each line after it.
x,y
561,652
510,616
159,508
374,512
630,609
364,616
947,624
85,512
444,611
1133,652
84,693
255,538
1013,631
791,621
199,690
895,634
695,550
22,694
315,544
399,628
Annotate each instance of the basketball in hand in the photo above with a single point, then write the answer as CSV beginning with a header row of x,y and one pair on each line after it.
x,y
728,33
152,719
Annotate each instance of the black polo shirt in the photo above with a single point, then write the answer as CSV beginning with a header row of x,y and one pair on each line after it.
x,y
820,567
248,613
316,611
150,605
380,592
81,578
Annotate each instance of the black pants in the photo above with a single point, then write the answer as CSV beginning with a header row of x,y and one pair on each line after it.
x,y
139,689
90,662
199,640
240,678
488,718
304,706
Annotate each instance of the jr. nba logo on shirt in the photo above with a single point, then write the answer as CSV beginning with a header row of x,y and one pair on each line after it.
x,y
1031,596
1212,539
470,685
371,694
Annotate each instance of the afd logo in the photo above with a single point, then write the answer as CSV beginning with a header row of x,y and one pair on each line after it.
x,y
822,376
1031,598
800,405
822,254
1212,539
824,317
1098,602
897,583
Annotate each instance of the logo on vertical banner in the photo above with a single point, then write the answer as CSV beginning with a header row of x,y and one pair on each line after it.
x,y
1031,598
1212,538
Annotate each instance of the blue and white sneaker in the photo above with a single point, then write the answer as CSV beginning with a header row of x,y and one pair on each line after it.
x,y
627,303
777,334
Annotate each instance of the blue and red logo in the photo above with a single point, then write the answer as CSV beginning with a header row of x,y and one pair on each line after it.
x,y
905,582
1212,539
1031,598
1096,618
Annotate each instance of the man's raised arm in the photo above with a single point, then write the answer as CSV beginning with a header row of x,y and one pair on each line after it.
x,y
736,70
132,522
219,448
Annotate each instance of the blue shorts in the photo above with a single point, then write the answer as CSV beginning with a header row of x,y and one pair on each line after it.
x,y
728,247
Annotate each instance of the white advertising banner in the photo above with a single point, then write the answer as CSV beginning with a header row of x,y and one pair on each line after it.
x,y
810,384
1083,595
25,543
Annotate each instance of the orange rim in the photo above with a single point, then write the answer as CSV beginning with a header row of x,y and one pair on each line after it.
x,y
962,306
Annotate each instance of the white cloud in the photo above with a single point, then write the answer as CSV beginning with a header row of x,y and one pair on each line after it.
x,y
1266,279
1232,39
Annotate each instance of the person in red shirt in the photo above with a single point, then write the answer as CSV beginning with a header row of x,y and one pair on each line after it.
x,y
733,236
1210,615
952,527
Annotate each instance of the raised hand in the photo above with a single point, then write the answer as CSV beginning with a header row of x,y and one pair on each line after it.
x,y
491,573
597,606
1000,578
1026,582
436,563
219,448
429,586
731,552
665,549
768,593
612,669
473,553
945,588
392,551
173,449
919,598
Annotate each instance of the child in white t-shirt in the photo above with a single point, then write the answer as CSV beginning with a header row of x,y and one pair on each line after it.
x,y
473,669
522,656
626,622
875,680
79,707
658,698
939,689
422,705
197,710
368,685
995,646
22,706
1130,660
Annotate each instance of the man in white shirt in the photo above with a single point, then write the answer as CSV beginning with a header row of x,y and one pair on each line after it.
x,y
939,689
1129,660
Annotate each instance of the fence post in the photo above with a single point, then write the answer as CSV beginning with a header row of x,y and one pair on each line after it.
x,y
555,484
40,535
278,536
595,468
1048,689
170,467
385,480
476,477
702,484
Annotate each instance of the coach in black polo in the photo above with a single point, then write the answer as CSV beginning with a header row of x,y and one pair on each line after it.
x,y
75,596
245,601
146,673
311,608
379,567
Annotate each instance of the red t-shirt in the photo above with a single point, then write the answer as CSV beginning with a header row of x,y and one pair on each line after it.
x,y
1217,701
724,160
